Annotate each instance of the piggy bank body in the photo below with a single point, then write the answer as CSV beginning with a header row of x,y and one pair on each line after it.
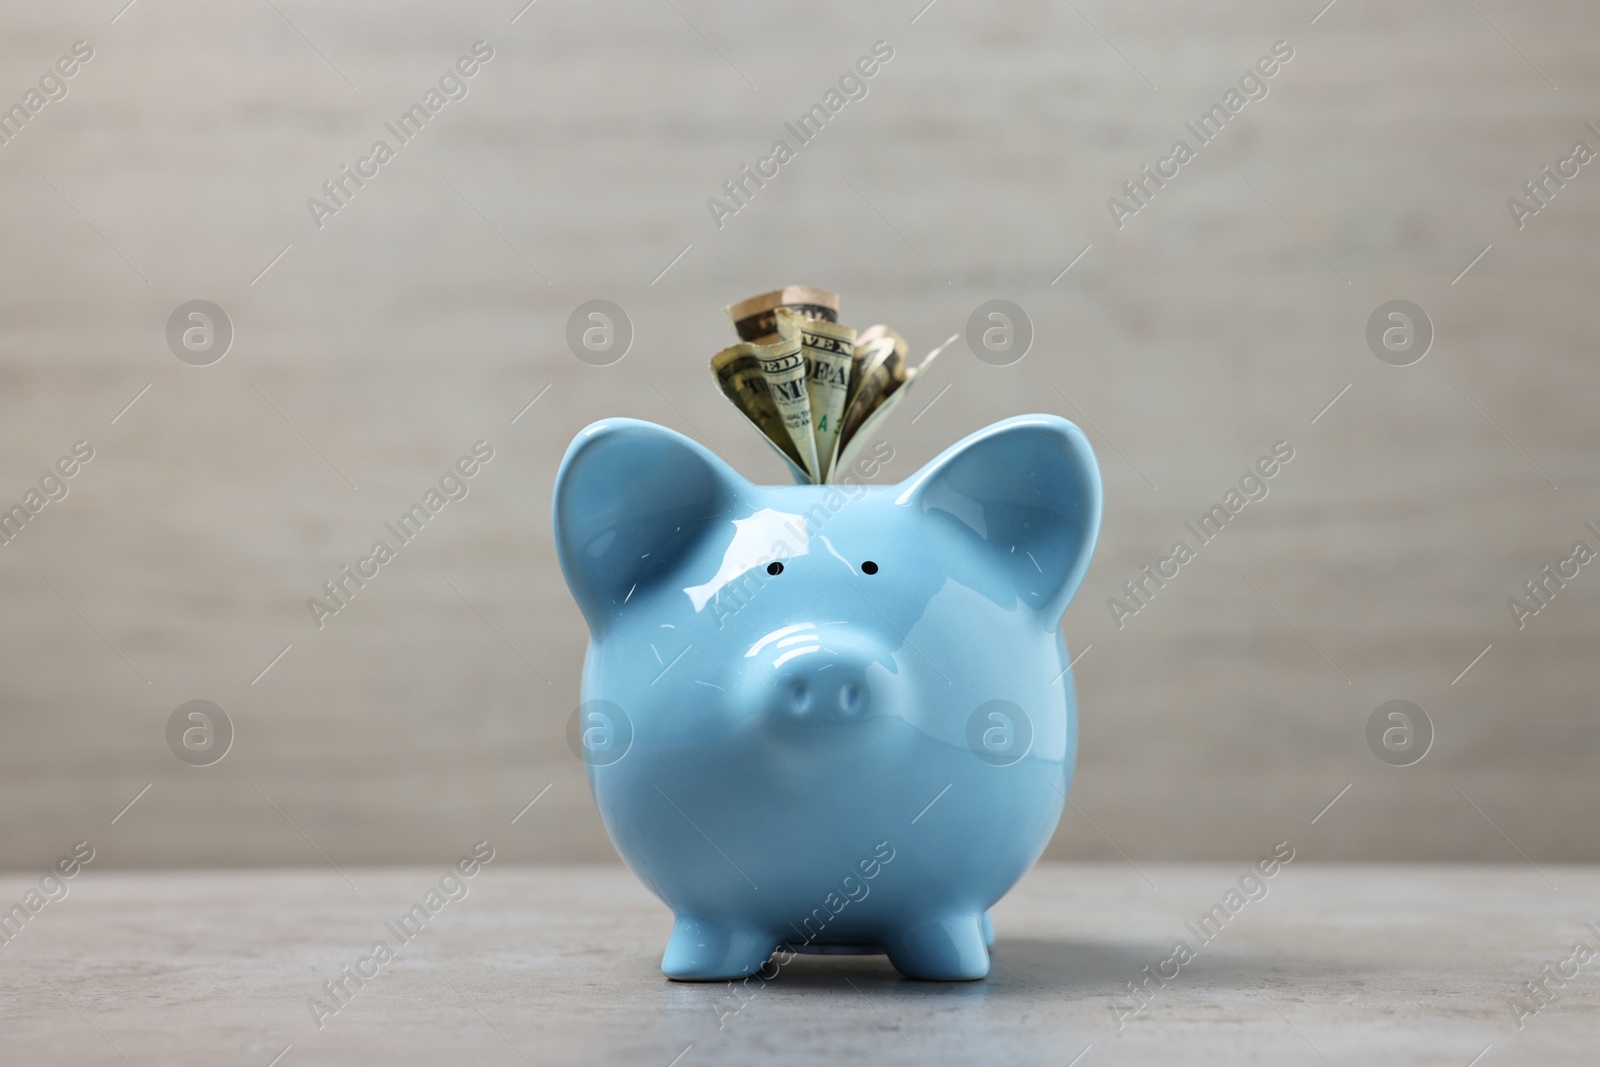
x,y
828,717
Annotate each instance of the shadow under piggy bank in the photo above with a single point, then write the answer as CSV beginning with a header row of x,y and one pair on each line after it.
x,y
1068,968
828,717
1027,965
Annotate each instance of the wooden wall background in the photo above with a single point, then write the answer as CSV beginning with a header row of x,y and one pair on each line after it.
x,y
422,317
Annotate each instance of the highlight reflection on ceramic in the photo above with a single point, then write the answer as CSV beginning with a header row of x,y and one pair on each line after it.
x,y
850,714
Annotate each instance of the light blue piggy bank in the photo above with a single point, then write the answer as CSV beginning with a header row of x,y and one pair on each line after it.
x,y
833,718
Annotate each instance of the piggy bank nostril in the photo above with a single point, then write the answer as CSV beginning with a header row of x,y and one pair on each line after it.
x,y
851,698
799,697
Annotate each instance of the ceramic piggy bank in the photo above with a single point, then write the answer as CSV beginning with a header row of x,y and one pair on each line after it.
x,y
833,718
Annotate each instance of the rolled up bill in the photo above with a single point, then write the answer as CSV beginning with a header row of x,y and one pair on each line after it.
x,y
884,382
879,368
783,369
738,374
754,317
829,352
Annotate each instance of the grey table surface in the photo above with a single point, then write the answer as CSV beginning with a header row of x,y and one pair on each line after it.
x,y
1334,965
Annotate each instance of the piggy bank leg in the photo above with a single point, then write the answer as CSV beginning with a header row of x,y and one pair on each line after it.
x,y
950,949
705,951
988,930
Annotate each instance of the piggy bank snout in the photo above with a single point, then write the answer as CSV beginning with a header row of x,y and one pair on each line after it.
x,y
820,693
814,682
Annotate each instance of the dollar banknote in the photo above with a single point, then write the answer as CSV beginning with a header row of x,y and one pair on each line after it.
x,y
829,352
755,319
783,369
816,389
879,369
738,374
879,394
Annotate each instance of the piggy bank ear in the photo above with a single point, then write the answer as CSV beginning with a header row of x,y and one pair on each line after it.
x,y
1027,492
631,498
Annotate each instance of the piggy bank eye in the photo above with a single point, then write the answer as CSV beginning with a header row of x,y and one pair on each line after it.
x,y
774,568
869,567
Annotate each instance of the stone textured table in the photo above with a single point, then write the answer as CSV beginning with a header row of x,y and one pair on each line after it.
x,y
1335,964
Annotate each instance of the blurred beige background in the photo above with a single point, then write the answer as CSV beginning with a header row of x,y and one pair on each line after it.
x,y
432,309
